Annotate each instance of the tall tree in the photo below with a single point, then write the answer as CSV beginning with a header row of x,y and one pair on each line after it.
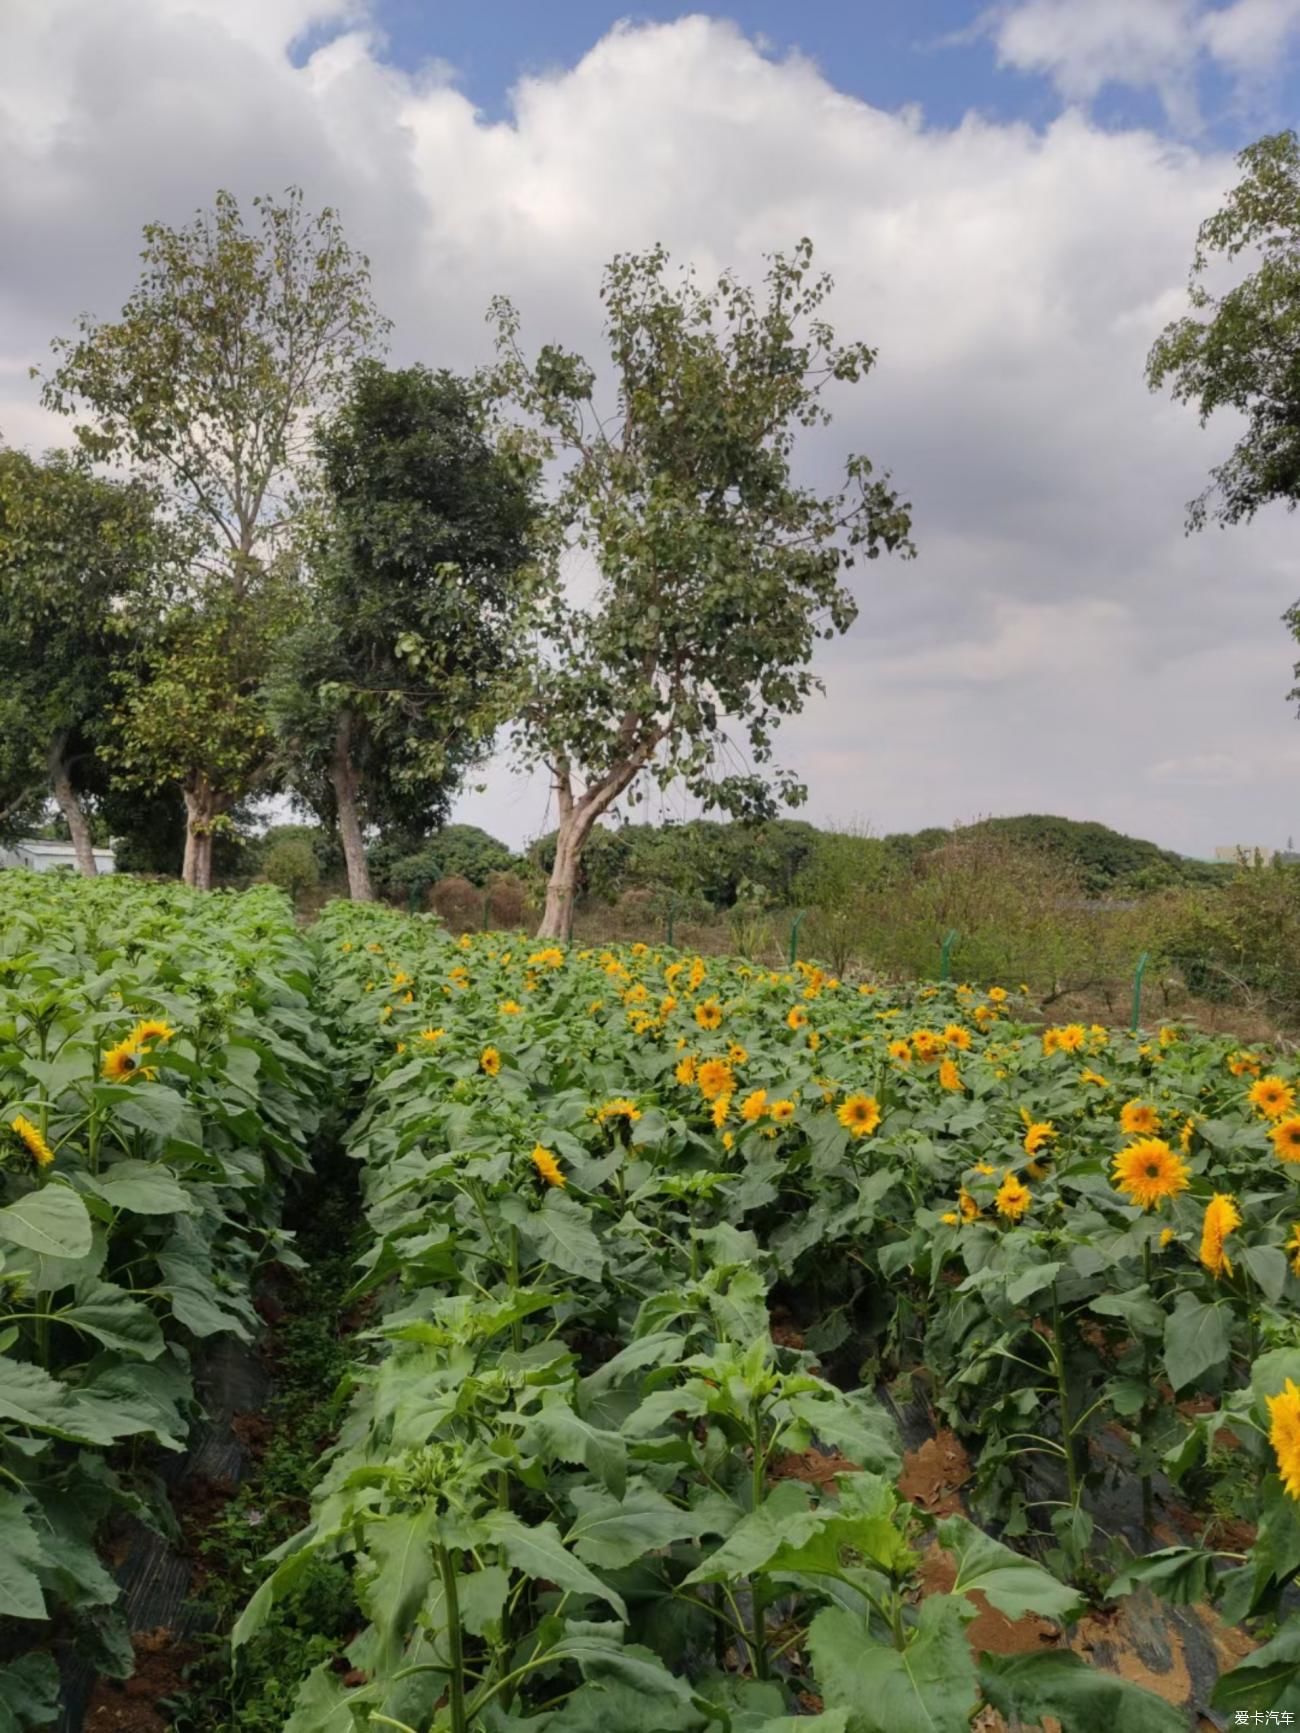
x,y
403,670
210,384
1240,349
716,571
77,555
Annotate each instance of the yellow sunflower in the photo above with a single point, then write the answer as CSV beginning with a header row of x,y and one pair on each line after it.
x,y
957,1037
685,1071
1293,1246
1148,1172
708,1014
950,1077
431,1035
1013,1197
1037,1133
859,1115
796,1018
1284,1435
1138,1119
901,1051
1222,1217
151,1029
547,1166
1271,1097
966,1204
714,1077
490,1060
121,1063
736,1054
720,1110
754,1106
781,1111
1285,1138
37,1148
619,1107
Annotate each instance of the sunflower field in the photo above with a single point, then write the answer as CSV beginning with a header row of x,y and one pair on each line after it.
x,y
663,1259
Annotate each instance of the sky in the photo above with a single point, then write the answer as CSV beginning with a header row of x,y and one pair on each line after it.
x,y
1007,197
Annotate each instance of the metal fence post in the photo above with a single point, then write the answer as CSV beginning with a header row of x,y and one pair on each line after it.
x,y
1137,990
794,936
945,954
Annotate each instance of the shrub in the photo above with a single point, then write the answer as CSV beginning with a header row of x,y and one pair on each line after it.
x,y
459,902
291,864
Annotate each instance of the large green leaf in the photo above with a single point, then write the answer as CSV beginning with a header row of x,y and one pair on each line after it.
x,y
1267,1679
111,1316
52,1221
1082,1698
561,1233
401,1548
143,1187
538,1551
21,1552
1012,1583
556,1432
927,1687
29,1693
610,1532
1197,1340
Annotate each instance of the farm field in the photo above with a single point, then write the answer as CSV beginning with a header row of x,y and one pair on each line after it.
x,y
666,1263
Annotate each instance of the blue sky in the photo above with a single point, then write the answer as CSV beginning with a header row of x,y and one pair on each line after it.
x,y
940,54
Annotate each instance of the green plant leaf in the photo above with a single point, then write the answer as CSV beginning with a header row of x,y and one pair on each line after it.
x,y
111,1316
561,1232
1082,1698
1197,1340
1267,1679
21,1552
1010,1582
927,1687
610,1532
52,1221
143,1187
538,1551
556,1432
29,1693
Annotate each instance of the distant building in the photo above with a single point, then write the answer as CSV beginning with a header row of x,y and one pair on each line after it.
x,y
1233,852
40,856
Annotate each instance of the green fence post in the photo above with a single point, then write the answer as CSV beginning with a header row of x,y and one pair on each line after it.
x,y
672,913
945,954
1137,990
794,937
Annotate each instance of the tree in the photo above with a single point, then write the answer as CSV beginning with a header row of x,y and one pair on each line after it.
x,y
210,384
403,671
716,572
76,555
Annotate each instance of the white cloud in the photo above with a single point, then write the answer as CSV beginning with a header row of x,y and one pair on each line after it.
x,y
1084,45
1058,635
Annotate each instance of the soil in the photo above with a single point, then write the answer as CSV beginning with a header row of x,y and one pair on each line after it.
x,y
814,1467
1137,1641
989,1631
199,1502
128,1705
934,1474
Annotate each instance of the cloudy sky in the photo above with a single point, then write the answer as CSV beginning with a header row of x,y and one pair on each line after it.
x,y
1007,197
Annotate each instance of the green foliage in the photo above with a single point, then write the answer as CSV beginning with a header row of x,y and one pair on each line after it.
x,y
455,850
76,556
717,572
404,668
291,864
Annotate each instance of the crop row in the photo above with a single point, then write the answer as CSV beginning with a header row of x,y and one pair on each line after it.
x,y
568,1492
160,1077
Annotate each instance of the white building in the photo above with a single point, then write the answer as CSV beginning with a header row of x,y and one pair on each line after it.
x,y
39,856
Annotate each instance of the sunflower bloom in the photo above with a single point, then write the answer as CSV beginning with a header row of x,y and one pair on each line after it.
x,y
1243,1064
1148,1172
490,1060
1013,1197
37,1148
781,1111
547,1166
1167,1238
708,1014
714,1077
1221,1218
859,1115
1037,1133
1271,1097
1138,1119
1285,1138
957,1037
998,995
618,1108
950,1077
754,1106
151,1029
431,1035
720,1110
1293,1246
1284,1435
1088,1075
901,1051
685,1071
966,1204
796,1018
737,1055
121,1063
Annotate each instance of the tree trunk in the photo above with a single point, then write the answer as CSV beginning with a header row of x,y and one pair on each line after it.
x,y
561,888
343,777
202,808
70,807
